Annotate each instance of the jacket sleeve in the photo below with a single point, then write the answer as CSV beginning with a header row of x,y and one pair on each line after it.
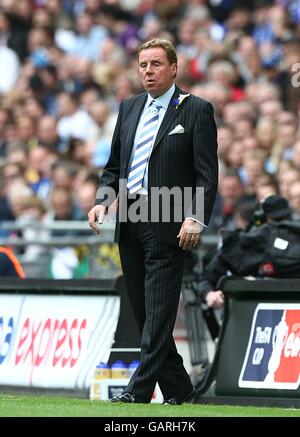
x,y
210,276
109,183
205,162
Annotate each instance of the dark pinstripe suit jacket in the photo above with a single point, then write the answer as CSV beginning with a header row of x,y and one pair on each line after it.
x,y
187,159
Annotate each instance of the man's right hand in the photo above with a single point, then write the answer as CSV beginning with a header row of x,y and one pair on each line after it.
x,y
215,299
96,216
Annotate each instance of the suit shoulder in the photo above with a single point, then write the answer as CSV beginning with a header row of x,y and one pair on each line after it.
x,y
128,103
200,101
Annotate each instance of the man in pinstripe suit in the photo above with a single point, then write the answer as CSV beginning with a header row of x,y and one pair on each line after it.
x,y
175,146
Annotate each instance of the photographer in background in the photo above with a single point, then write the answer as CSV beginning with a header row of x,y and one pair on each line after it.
x,y
276,209
246,217
266,245
203,301
244,251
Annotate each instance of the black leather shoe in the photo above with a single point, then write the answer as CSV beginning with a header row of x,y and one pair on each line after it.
x,y
128,398
176,400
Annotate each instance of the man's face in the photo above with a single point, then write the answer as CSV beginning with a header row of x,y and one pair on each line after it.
x,y
156,73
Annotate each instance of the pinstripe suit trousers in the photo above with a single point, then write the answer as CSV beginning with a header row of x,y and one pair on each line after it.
x,y
153,274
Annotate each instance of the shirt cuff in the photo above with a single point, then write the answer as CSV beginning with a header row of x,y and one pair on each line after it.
x,y
197,221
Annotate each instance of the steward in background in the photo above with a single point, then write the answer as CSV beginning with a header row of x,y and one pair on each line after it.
x,y
9,264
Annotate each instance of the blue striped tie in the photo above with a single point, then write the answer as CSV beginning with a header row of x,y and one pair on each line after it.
x,y
143,149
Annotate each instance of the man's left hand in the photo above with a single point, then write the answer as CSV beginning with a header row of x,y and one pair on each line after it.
x,y
189,234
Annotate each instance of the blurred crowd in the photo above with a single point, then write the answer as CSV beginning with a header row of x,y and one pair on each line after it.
x,y
66,65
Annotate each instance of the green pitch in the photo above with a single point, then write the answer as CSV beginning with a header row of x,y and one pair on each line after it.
x,y
17,405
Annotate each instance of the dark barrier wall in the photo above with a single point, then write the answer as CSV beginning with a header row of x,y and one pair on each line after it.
x,y
260,350
58,286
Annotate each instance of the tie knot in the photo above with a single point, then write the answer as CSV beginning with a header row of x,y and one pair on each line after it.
x,y
155,106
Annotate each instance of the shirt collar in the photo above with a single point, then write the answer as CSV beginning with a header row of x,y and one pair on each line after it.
x,y
164,99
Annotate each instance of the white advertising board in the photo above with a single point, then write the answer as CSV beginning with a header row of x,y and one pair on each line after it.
x,y
55,341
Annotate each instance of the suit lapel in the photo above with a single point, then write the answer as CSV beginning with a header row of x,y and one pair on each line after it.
x,y
135,113
169,117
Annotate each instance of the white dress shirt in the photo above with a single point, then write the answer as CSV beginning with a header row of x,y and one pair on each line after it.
x,y
163,101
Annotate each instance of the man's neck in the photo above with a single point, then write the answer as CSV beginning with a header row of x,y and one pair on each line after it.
x,y
165,98
155,96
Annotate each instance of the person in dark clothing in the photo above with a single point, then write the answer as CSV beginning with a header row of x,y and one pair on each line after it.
x,y
245,252
5,210
13,32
